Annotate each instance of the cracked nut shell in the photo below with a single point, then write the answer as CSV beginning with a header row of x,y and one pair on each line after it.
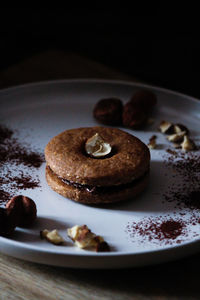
x,y
180,127
188,144
176,137
52,236
97,147
166,127
108,111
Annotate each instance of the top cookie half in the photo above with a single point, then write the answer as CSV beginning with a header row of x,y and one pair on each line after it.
x,y
65,155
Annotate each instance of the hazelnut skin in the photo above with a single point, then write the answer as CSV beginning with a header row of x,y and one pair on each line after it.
x,y
108,111
134,117
144,99
25,209
14,209
7,223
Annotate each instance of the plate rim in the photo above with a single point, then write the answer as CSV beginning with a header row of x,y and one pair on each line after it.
x,y
102,254
97,80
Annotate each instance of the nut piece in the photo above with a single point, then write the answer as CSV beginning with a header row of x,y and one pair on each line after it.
x,y
52,236
43,233
81,236
177,145
84,238
152,142
177,137
23,209
108,111
166,127
102,247
133,116
188,144
96,147
179,128
74,232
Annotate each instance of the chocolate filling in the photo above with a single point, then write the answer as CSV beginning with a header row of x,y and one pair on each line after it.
x,y
100,189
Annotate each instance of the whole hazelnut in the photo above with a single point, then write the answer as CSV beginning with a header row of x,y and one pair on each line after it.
x,y
144,99
24,208
29,212
108,111
2,221
134,117
14,209
7,223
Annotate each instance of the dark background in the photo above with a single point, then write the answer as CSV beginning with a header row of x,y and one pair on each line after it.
x,y
158,44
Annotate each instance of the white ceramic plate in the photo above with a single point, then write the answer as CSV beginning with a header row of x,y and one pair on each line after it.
x,y
40,111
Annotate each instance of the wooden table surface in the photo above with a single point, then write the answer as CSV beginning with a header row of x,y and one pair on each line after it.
x,y
25,280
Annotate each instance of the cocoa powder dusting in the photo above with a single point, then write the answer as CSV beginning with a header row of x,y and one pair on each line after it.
x,y
171,229
4,196
24,181
13,158
5,133
185,192
13,152
162,230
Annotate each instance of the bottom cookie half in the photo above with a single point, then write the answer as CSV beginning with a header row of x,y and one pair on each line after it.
x,y
99,196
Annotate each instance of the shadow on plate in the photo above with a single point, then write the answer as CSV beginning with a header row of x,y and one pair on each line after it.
x,y
152,199
32,234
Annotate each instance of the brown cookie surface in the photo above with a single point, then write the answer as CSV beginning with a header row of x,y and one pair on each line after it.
x,y
102,195
66,156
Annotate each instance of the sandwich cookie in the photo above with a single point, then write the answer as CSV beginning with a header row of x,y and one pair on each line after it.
x,y
97,165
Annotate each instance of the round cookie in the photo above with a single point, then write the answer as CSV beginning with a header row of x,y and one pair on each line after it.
x,y
66,156
75,175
